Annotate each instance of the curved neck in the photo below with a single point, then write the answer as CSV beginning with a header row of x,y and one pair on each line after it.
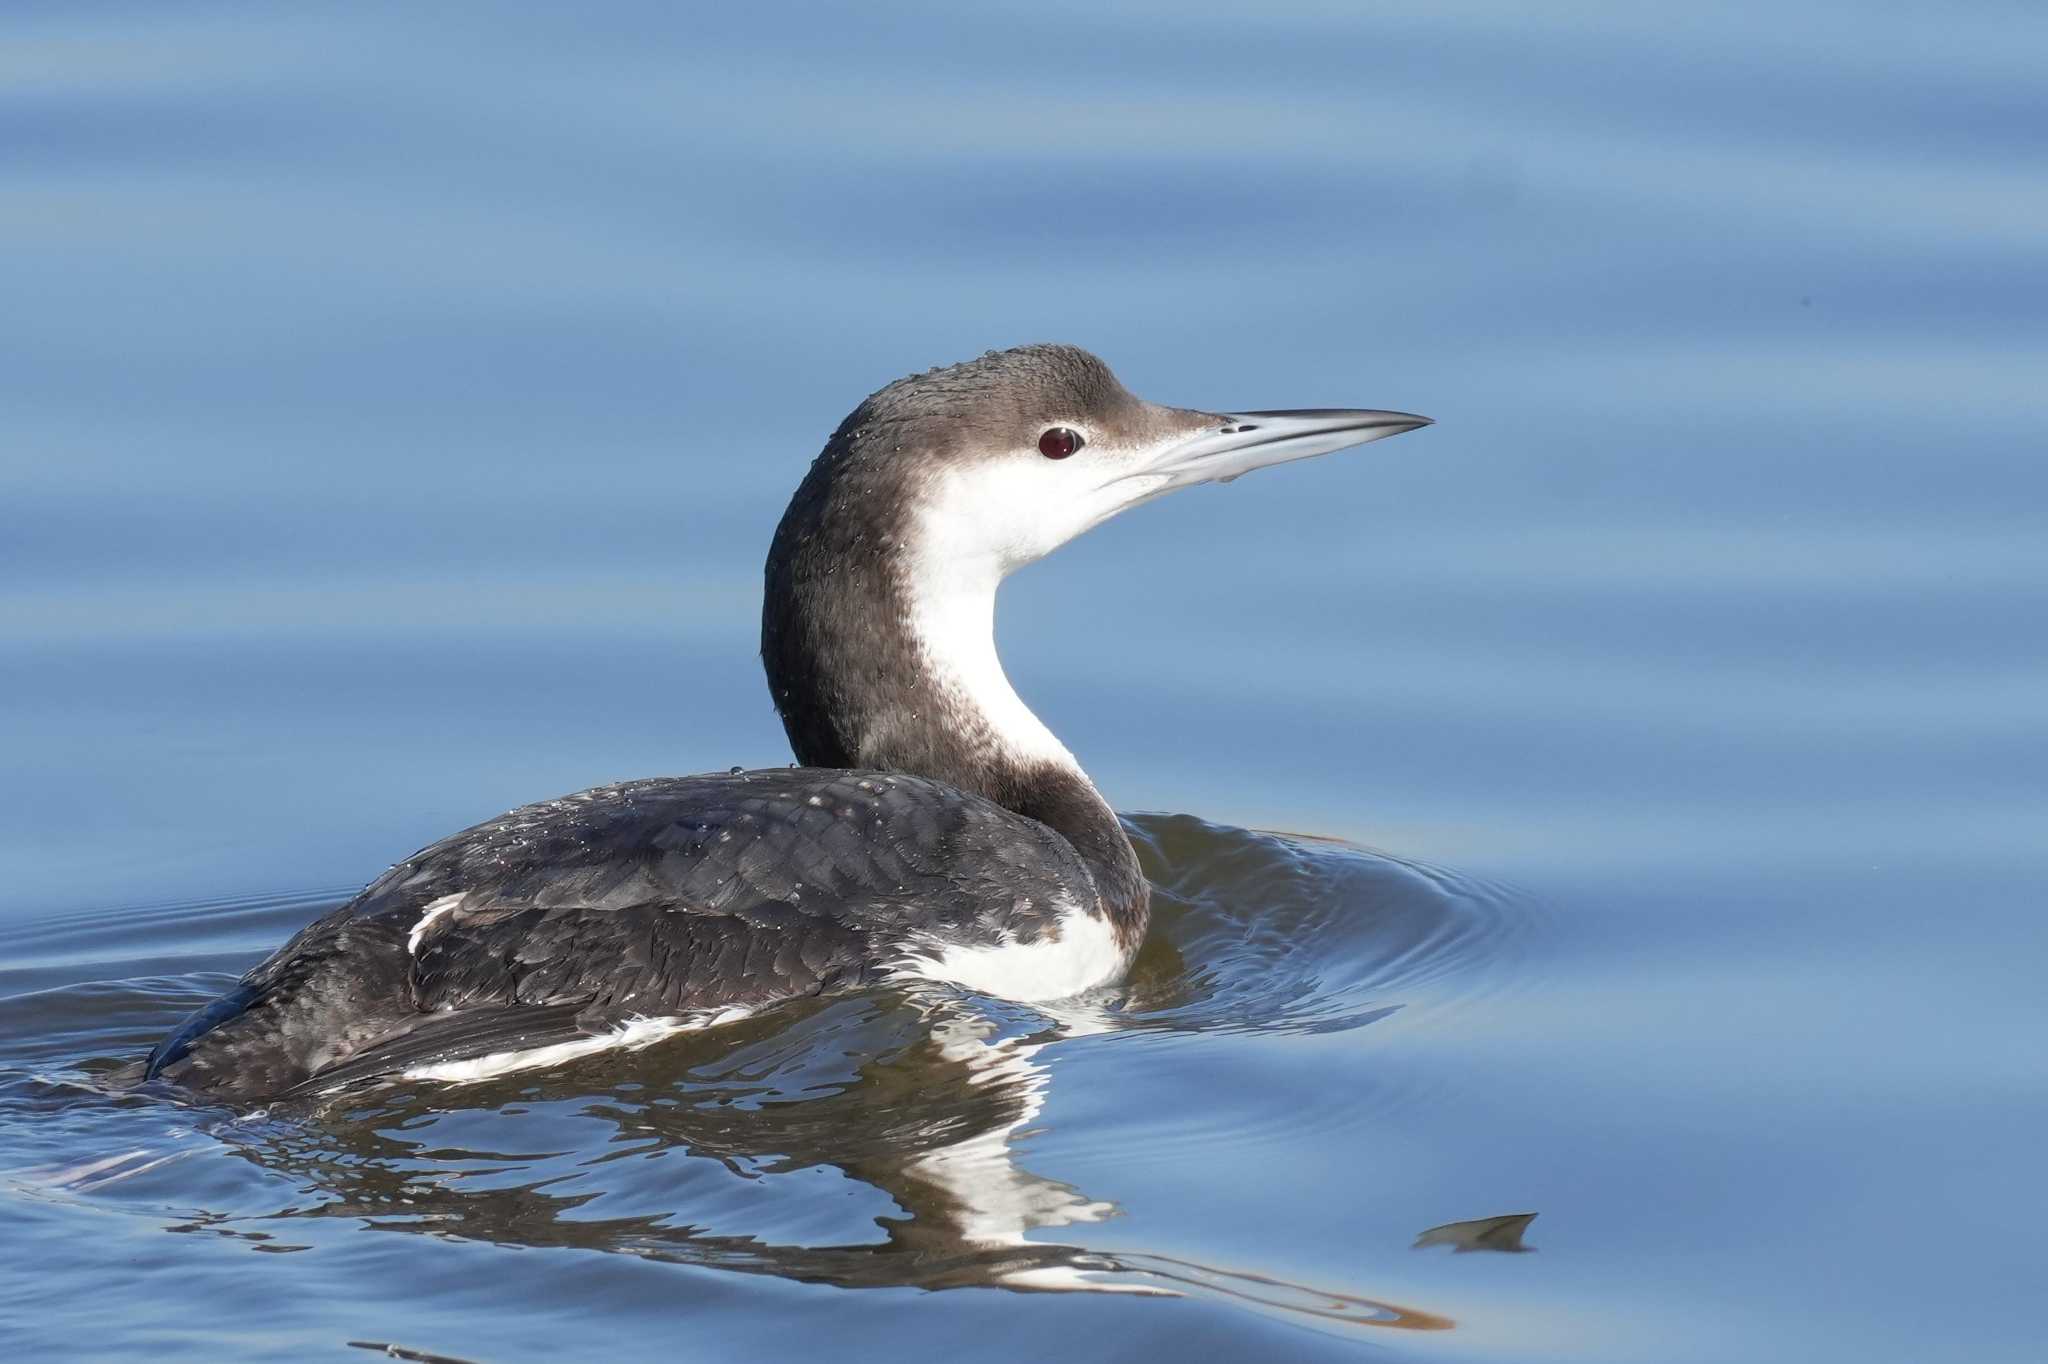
x,y
884,658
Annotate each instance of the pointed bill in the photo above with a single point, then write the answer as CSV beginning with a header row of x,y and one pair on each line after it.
x,y
1244,441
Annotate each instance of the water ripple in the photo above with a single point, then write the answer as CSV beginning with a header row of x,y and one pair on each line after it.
x,y
866,1141
1284,932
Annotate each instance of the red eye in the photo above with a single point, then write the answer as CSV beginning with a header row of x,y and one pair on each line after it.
x,y
1060,441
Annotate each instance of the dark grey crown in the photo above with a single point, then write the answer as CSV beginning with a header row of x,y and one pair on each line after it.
x,y
1026,383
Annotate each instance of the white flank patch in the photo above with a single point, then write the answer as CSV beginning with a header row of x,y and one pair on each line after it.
x,y
433,911
634,1034
1086,954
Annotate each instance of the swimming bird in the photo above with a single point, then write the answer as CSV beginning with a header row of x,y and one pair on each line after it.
x,y
935,830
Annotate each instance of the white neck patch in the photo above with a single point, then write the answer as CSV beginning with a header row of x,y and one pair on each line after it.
x,y
953,619
970,531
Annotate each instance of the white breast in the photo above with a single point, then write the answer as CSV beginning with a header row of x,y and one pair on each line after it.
x,y
1086,954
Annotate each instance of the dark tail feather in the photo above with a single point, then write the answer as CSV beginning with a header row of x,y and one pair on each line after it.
x,y
175,1047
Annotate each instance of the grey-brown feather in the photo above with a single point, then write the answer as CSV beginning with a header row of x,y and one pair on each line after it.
x,y
649,899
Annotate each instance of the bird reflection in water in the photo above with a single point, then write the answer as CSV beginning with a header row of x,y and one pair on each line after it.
x,y
920,1099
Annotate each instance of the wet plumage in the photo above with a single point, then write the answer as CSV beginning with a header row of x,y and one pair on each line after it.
x,y
647,899
939,831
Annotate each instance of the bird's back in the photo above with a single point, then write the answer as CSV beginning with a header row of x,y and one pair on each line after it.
x,y
667,899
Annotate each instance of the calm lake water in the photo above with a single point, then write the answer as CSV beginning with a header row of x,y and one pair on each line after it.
x,y
398,402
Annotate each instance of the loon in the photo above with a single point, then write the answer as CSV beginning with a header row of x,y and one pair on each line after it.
x,y
936,830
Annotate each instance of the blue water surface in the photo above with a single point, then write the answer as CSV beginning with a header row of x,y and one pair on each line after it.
x,y
398,400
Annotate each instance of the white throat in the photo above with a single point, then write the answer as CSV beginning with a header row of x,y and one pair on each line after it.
x,y
953,621
951,592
